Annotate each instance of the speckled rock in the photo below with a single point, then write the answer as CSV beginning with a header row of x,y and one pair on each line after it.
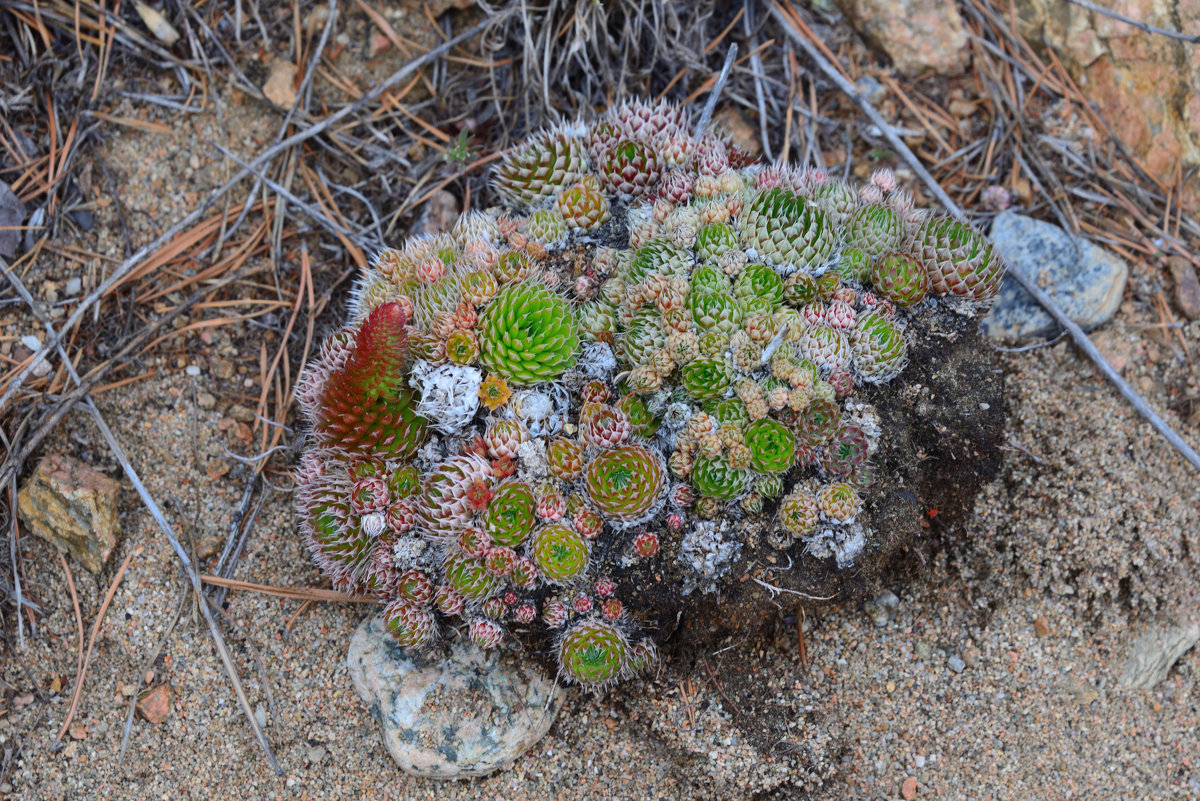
x,y
918,35
67,503
464,713
1152,655
1085,280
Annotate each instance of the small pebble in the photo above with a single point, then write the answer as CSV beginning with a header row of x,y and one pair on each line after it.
x,y
241,413
923,649
34,343
970,655
205,400
909,789
920,761
315,755
1041,627
260,715
73,286
1187,287
192,370
956,664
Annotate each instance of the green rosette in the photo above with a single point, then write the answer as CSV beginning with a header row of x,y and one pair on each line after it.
x,y
709,279
644,336
625,481
511,514
960,260
901,278
714,311
659,256
470,577
875,230
759,281
878,346
784,228
528,335
714,478
772,446
714,241
560,553
593,653
707,378
640,417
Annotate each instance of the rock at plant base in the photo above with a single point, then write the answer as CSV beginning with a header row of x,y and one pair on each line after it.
x,y
462,713
1152,655
918,35
74,507
1085,280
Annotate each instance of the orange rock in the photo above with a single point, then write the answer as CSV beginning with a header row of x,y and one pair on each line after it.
x,y
918,35
1147,87
155,705
1041,627
909,789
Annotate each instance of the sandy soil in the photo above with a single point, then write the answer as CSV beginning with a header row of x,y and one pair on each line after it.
x,y
1092,525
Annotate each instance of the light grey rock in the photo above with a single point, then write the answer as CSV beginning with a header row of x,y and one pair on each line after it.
x,y
956,664
12,214
1152,655
464,713
882,608
1087,282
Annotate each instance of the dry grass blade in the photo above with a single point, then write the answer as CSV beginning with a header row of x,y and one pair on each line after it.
x,y
62,559
77,693
299,593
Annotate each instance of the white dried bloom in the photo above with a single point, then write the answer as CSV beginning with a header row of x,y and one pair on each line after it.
x,y
449,394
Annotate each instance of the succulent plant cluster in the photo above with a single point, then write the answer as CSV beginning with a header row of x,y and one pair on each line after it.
x,y
655,335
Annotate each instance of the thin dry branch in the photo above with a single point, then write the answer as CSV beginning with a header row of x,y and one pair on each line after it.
x,y
1183,37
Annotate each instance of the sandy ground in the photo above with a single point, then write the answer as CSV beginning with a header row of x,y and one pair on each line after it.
x,y
1092,525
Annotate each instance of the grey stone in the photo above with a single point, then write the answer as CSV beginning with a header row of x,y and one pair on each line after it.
x,y
464,713
882,608
1152,655
12,214
878,615
956,664
1085,280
